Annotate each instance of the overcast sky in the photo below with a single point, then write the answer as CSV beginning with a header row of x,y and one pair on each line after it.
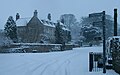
x,y
56,7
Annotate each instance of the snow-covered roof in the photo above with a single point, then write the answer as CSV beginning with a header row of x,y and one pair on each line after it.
x,y
22,21
48,23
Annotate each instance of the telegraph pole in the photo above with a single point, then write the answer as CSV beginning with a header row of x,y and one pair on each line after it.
x,y
104,47
115,22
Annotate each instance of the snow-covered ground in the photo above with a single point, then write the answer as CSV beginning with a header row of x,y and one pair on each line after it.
x,y
71,62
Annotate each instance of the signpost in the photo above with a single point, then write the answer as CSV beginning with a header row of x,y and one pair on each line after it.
x,y
104,46
102,16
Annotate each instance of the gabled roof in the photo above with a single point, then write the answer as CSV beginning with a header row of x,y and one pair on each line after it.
x,y
22,21
25,21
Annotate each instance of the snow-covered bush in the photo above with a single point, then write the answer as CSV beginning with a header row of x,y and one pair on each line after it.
x,y
116,55
4,41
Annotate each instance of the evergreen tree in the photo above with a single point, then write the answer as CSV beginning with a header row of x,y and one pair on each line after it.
x,y
69,36
10,29
96,22
58,34
49,17
90,32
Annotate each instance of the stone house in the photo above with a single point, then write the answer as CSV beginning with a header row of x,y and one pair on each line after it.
x,y
35,30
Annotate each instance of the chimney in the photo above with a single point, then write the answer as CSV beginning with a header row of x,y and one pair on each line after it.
x,y
115,22
35,13
17,16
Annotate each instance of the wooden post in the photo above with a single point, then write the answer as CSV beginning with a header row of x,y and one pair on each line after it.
x,y
90,61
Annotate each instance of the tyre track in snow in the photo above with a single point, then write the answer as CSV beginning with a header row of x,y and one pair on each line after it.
x,y
67,71
43,64
40,66
36,65
65,66
58,64
32,64
18,66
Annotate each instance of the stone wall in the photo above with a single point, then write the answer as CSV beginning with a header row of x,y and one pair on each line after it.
x,y
36,47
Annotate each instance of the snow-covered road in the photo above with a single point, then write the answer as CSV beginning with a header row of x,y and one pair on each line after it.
x,y
72,62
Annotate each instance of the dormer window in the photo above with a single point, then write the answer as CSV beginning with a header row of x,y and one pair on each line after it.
x,y
51,23
47,22
54,23
43,21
